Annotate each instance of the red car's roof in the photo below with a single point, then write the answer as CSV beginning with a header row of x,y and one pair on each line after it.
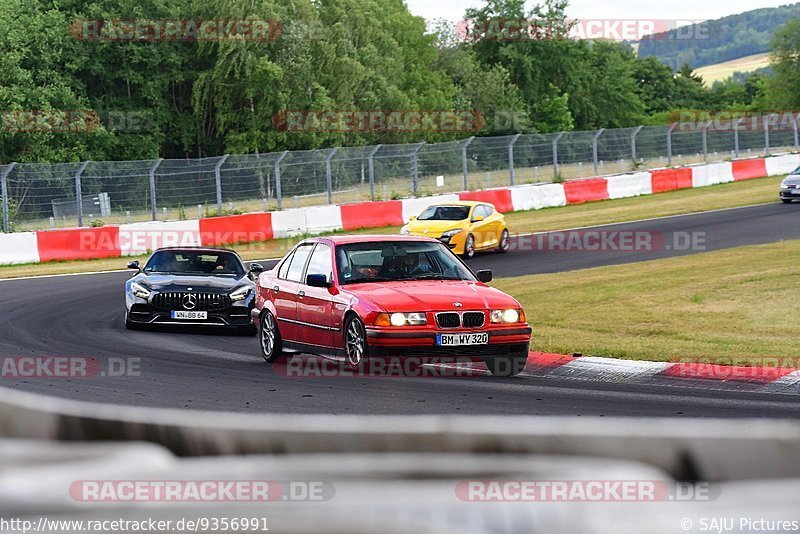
x,y
347,239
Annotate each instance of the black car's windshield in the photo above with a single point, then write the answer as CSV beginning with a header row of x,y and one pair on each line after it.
x,y
445,213
398,261
195,263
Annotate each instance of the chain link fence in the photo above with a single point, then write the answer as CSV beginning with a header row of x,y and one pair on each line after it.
x,y
41,196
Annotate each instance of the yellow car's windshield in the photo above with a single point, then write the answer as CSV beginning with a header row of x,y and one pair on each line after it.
x,y
445,213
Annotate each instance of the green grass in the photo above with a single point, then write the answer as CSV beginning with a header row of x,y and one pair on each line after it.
x,y
605,212
735,306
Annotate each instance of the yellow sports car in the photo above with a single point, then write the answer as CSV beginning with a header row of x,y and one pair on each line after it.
x,y
465,226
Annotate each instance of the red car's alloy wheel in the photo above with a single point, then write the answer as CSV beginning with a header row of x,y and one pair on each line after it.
x,y
270,339
355,341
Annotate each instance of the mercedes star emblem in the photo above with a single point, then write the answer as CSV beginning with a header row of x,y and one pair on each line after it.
x,y
190,302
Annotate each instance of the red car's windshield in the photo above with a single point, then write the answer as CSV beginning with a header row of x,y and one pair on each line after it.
x,y
398,261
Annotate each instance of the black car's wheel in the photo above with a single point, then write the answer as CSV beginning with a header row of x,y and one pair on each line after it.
x,y
504,243
270,339
356,348
507,365
786,200
469,247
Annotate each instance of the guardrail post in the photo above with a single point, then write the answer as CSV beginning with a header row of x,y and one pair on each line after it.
x,y
415,168
328,176
218,177
464,166
79,191
794,130
704,132
633,142
556,139
595,138
766,135
371,162
278,190
670,129
153,208
4,186
512,171
736,124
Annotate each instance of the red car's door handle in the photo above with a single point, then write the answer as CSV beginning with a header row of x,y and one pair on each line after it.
x,y
276,289
301,294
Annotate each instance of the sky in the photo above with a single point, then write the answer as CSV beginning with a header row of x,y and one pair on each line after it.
x,y
689,10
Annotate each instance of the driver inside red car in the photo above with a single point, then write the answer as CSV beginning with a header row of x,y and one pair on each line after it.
x,y
406,266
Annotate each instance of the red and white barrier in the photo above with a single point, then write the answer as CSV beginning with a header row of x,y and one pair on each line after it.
x,y
139,238
19,248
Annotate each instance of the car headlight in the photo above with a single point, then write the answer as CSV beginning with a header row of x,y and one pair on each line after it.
x,y
507,316
450,233
784,185
239,294
405,231
401,319
140,291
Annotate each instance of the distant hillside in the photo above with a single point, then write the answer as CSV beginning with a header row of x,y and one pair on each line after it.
x,y
718,41
737,68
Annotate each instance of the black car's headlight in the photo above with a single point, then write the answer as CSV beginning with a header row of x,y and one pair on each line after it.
x,y
239,294
140,291
784,185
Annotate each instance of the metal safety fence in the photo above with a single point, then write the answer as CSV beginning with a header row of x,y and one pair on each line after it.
x,y
39,196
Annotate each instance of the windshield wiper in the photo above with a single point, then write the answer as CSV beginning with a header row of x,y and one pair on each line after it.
x,y
435,277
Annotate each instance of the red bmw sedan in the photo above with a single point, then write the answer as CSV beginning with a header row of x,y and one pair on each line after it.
x,y
356,297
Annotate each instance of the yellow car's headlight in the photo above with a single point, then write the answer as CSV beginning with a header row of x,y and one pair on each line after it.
x,y
452,233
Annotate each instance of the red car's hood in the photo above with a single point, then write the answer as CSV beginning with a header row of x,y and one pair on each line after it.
x,y
426,296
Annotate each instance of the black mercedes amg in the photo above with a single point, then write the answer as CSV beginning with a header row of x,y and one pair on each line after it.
x,y
191,286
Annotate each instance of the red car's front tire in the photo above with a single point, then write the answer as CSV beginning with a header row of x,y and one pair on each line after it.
x,y
356,348
270,339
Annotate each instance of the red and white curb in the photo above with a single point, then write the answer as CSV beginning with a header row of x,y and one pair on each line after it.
x,y
686,374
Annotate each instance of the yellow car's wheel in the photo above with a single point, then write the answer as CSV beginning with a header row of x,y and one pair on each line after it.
x,y
469,247
505,242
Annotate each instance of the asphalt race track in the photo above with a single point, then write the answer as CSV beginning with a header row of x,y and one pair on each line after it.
x,y
83,316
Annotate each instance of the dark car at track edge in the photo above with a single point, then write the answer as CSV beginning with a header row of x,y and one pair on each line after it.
x,y
198,287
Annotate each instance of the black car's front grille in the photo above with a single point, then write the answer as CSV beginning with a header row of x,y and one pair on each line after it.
x,y
448,320
472,320
190,301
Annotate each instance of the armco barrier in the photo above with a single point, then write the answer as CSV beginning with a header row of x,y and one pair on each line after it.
x,y
139,238
749,168
372,215
664,180
711,450
589,190
248,228
501,198
136,239
79,244
19,248
629,185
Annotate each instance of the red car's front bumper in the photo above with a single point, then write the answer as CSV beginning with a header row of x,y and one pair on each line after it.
x,y
406,341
